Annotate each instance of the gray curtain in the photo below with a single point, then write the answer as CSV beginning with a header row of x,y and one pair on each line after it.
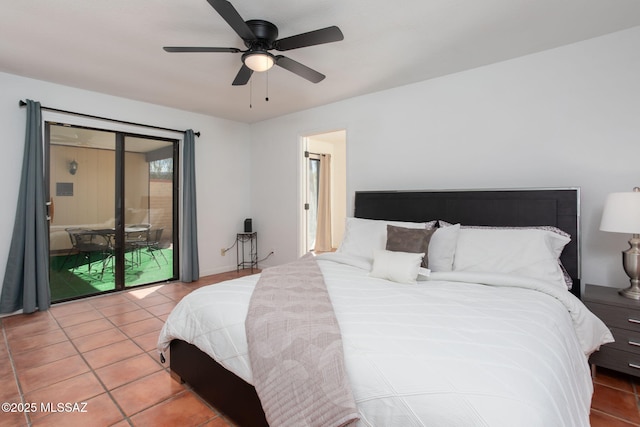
x,y
26,278
190,265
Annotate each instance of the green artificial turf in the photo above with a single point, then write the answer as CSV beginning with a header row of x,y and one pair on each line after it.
x,y
69,281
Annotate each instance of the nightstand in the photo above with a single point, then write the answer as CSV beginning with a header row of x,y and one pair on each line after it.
x,y
622,316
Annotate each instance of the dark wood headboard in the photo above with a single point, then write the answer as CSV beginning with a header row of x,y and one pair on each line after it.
x,y
512,208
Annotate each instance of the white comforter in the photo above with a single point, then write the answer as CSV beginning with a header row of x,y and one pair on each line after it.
x,y
444,352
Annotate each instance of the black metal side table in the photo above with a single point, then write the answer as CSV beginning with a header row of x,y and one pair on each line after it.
x,y
241,253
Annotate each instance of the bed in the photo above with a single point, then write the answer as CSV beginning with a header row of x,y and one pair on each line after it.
x,y
476,342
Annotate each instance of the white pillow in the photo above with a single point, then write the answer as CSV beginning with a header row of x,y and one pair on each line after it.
x,y
525,252
364,236
401,267
442,248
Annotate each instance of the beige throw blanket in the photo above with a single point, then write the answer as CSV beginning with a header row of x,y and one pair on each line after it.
x,y
295,349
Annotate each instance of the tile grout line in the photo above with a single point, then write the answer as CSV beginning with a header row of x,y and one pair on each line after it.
x,y
170,297
128,338
186,387
81,354
616,417
15,373
635,393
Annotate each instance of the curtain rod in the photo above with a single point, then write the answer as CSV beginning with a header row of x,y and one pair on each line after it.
x,y
307,153
22,104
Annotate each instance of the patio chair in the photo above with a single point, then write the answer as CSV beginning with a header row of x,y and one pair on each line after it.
x,y
89,243
71,231
152,244
136,237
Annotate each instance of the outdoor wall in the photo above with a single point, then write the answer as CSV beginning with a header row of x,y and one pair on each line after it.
x,y
93,198
92,201
160,205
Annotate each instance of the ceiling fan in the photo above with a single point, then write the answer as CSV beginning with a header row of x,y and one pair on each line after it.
x,y
260,37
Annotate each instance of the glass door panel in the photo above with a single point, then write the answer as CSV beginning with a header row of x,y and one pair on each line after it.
x,y
149,203
113,210
82,223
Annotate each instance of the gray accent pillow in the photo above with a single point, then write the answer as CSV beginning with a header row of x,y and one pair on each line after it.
x,y
412,240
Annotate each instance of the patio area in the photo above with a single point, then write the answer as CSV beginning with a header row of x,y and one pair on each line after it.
x,y
96,274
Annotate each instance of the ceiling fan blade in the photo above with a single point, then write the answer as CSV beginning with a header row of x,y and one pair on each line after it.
x,y
312,38
201,49
243,76
233,18
297,68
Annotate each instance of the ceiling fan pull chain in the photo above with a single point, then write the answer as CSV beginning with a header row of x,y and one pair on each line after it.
x,y
250,92
267,97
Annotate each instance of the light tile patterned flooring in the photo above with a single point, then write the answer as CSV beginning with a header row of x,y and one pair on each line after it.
x,y
102,351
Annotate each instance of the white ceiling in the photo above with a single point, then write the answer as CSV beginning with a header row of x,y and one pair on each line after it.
x,y
115,46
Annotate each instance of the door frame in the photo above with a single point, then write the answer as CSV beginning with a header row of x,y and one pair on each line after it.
x,y
121,132
341,196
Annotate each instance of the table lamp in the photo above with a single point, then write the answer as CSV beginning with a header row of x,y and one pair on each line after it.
x,y
622,215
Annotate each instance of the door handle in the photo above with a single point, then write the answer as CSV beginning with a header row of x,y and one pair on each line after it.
x,y
50,210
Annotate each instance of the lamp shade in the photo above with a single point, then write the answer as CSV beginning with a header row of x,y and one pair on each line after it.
x,y
258,61
622,213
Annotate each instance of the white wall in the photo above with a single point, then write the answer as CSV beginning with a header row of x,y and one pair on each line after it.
x,y
564,117
222,154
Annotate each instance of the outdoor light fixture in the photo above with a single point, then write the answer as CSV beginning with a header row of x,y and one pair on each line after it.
x,y
73,167
258,60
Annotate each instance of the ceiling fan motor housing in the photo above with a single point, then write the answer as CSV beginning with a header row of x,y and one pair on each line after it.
x,y
266,33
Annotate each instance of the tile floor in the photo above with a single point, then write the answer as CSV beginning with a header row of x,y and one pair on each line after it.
x,y
101,351
615,401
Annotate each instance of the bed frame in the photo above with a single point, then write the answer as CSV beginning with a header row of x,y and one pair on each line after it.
x,y
514,208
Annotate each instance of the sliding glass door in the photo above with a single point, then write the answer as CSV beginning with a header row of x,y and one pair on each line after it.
x,y
150,193
112,210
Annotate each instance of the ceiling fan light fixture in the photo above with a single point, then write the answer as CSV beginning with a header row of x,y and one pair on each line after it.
x,y
259,60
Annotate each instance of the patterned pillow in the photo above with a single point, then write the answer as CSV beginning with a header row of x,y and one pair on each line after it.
x,y
412,240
